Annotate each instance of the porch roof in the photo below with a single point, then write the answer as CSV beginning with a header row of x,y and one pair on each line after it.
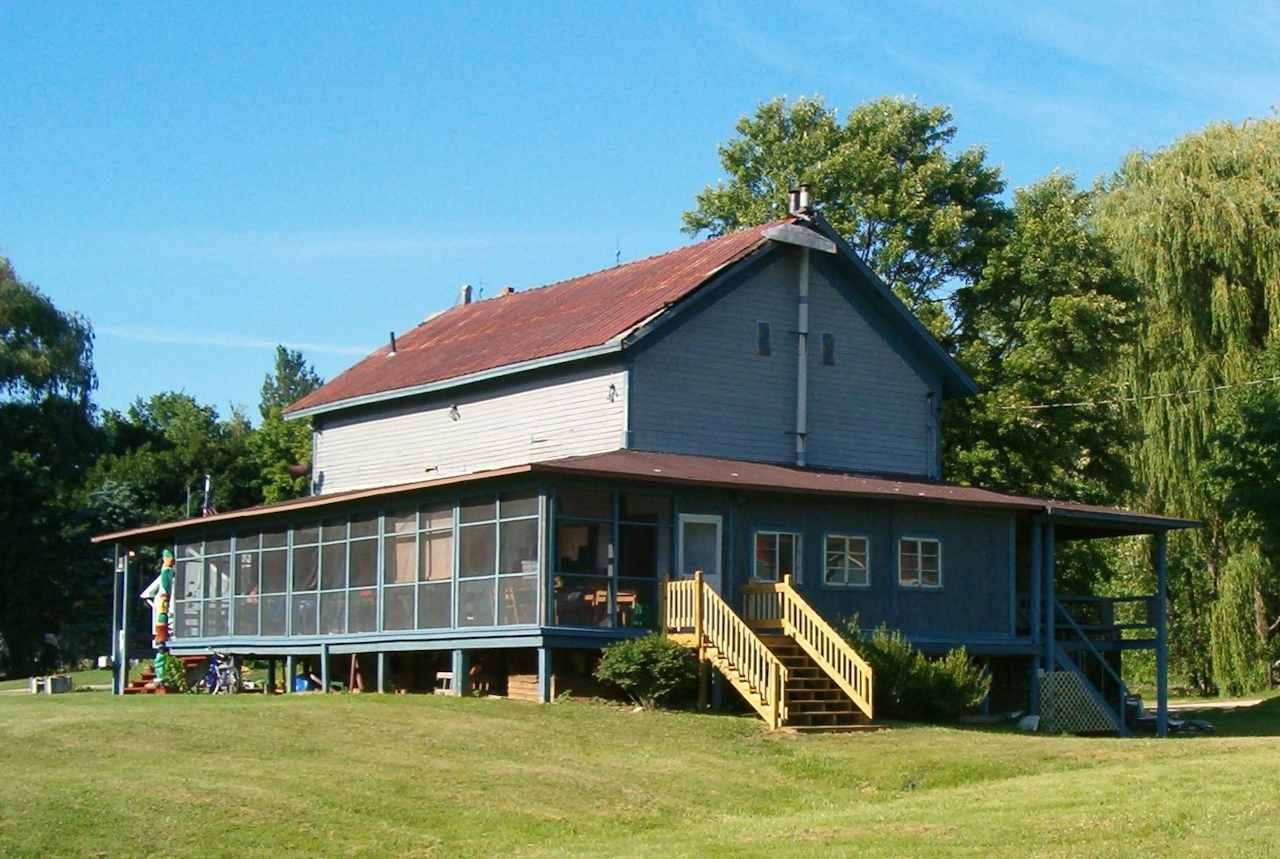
x,y
1073,520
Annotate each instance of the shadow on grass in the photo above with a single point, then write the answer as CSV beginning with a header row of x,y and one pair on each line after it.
x,y
1256,720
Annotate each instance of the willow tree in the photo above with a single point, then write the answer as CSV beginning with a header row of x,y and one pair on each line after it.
x,y
1197,226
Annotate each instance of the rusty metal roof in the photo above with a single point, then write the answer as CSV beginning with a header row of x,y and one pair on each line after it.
x,y
1077,520
565,317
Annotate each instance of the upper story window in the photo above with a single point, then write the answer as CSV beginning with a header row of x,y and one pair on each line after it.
x,y
829,349
763,346
777,555
845,562
919,563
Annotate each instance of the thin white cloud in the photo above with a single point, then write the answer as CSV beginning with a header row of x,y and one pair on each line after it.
x,y
228,341
336,245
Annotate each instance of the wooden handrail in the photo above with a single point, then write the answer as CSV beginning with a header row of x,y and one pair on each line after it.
x,y
767,603
692,605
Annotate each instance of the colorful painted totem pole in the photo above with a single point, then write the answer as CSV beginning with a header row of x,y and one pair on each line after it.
x,y
158,595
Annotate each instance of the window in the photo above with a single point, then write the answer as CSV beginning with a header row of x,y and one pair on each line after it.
x,y
777,555
829,349
762,339
919,563
845,561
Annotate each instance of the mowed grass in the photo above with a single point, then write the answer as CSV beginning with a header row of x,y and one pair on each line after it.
x,y
80,679
94,775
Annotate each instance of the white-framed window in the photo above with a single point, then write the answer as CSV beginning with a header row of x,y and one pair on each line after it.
x,y
777,555
846,561
919,563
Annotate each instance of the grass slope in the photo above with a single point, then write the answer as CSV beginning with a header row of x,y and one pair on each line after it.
x,y
428,776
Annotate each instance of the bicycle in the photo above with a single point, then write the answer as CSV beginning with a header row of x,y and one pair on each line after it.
x,y
222,677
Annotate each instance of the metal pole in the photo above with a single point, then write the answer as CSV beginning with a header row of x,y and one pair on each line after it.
x,y
115,619
324,668
1162,635
382,671
289,673
126,590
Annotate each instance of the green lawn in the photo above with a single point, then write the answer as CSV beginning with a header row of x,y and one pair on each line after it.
x,y
80,679
428,776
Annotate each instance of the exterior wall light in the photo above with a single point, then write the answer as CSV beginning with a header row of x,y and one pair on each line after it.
x,y
454,414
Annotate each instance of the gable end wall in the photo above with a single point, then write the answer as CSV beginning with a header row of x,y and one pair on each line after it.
x,y
698,386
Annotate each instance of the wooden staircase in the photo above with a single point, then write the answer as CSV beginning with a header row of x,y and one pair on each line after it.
x,y
147,683
783,658
814,702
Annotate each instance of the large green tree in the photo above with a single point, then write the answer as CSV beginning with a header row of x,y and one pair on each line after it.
x,y
1197,226
290,380
47,439
159,451
1043,324
923,217
280,443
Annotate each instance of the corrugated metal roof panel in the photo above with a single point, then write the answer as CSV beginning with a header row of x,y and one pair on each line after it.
x,y
564,317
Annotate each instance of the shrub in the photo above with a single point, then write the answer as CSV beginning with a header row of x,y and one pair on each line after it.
x,y
651,671
910,685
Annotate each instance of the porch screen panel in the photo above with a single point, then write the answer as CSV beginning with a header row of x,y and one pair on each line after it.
x,y
304,605
399,569
217,589
435,567
597,582
248,584
274,566
362,598
188,590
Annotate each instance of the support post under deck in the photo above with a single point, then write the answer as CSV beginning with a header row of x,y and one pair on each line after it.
x,y
1050,597
382,671
544,675
324,668
461,672
290,671
1162,635
1035,610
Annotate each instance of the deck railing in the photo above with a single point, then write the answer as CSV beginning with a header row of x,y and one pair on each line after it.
x,y
691,605
781,604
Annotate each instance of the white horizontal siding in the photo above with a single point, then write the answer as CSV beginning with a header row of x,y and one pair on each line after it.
x,y
564,414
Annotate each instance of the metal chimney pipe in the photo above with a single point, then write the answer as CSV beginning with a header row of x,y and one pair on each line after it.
x,y
793,201
803,193
464,294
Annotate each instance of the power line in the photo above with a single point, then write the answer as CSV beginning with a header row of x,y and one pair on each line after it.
x,y
1144,398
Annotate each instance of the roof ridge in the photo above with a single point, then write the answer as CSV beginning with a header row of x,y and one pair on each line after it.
x,y
584,275
639,260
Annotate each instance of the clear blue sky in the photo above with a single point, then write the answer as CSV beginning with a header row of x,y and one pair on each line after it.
x,y
203,183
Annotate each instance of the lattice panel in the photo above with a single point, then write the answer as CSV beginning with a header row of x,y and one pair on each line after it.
x,y
1067,707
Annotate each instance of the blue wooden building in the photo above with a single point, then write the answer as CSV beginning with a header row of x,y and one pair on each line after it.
x,y
737,442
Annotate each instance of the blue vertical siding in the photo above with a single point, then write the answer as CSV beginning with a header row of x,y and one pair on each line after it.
x,y
698,385
871,410
975,598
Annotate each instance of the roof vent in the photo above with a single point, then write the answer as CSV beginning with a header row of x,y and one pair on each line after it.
x,y
464,294
798,201
804,198
793,201
506,290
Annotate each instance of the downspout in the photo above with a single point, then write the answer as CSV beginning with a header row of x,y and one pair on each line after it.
x,y
802,355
